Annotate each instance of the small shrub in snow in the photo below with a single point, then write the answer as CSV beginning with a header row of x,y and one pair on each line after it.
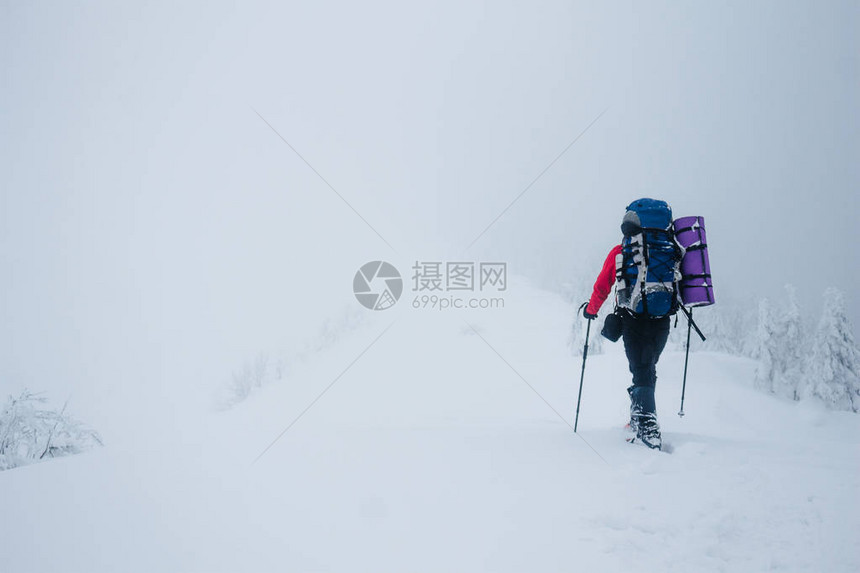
x,y
251,377
257,373
576,342
332,331
30,431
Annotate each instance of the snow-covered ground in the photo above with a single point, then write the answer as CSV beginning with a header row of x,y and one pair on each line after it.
x,y
439,447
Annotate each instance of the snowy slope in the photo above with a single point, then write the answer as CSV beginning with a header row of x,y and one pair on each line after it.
x,y
434,452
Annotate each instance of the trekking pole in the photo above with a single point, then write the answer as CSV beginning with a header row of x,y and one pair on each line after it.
x,y
686,360
690,325
582,376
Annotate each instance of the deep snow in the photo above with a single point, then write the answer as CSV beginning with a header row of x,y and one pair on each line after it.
x,y
432,453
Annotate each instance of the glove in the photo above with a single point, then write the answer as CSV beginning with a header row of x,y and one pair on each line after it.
x,y
587,314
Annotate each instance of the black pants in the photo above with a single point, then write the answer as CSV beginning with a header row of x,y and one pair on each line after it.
x,y
644,340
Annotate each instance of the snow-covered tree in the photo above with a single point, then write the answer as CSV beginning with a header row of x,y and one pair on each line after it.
x,y
724,326
833,369
778,346
729,326
789,332
766,351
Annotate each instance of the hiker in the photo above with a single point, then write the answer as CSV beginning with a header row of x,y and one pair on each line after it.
x,y
644,269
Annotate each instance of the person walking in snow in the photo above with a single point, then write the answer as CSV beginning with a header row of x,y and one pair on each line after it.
x,y
644,268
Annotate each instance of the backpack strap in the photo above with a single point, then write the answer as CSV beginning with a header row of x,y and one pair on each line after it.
x,y
697,247
643,276
693,227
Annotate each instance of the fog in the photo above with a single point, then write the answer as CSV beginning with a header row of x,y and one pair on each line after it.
x,y
185,186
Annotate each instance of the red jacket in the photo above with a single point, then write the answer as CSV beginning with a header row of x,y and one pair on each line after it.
x,y
604,282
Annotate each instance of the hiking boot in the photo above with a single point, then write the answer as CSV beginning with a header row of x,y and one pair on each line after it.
x,y
632,426
648,430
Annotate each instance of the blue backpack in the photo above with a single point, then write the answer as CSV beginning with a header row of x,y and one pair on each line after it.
x,y
648,270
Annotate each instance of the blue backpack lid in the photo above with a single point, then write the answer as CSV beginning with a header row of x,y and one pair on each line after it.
x,y
646,213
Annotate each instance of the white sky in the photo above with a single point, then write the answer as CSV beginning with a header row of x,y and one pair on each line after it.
x,y
155,228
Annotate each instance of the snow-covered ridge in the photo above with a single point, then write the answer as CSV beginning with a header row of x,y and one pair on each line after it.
x,y
432,453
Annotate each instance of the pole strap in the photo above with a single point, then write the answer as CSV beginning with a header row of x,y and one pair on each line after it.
x,y
693,323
